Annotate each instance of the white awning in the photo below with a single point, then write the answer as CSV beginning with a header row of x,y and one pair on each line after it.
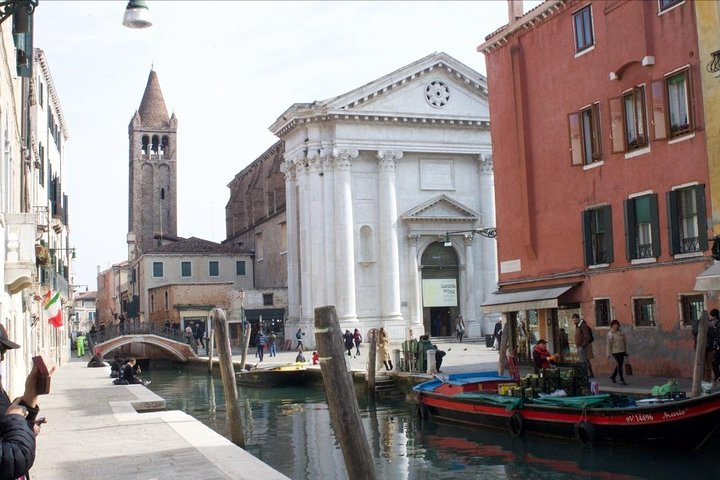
x,y
514,301
709,279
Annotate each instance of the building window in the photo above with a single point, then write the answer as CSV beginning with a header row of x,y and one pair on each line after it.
x,y
678,104
667,4
691,306
167,301
597,235
644,312
585,138
635,121
186,269
240,268
642,227
267,299
602,312
582,21
283,237
157,269
214,268
152,302
259,246
687,220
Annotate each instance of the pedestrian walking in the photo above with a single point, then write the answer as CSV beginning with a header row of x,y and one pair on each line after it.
x,y
617,348
349,341
272,339
460,328
299,336
583,342
357,337
383,347
260,342
200,333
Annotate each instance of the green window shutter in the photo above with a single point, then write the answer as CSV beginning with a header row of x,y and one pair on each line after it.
x,y
586,218
655,222
607,218
629,207
673,222
701,216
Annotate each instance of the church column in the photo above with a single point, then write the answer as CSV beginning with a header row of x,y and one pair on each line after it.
x,y
415,322
387,224
306,286
344,235
468,302
293,258
316,233
328,202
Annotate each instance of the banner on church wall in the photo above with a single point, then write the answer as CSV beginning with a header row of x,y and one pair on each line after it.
x,y
439,292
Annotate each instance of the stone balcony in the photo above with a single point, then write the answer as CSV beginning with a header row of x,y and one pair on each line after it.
x,y
20,237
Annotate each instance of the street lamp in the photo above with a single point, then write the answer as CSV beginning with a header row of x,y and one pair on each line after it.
x,y
137,15
8,8
485,232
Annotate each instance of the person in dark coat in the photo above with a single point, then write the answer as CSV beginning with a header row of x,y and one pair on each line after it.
x,y
349,339
200,333
17,423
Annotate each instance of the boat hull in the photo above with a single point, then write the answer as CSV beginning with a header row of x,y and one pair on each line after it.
x,y
679,423
285,376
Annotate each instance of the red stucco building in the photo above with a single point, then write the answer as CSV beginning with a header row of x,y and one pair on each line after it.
x,y
601,176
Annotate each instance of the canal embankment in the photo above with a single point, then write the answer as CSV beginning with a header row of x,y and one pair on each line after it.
x,y
96,429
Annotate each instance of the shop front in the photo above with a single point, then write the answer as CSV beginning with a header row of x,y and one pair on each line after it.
x,y
531,315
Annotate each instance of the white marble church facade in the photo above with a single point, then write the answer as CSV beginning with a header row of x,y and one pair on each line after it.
x,y
375,178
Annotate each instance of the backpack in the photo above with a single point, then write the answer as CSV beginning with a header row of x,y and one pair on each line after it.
x,y
298,335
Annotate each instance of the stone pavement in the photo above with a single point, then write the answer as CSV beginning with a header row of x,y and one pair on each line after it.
x,y
94,431
473,356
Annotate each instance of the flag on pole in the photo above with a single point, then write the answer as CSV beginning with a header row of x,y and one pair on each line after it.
x,y
52,305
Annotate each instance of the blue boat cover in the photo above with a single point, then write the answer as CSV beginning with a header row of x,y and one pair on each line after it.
x,y
461,379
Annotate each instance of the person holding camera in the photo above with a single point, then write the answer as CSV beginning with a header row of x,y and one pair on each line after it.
x,y
18,424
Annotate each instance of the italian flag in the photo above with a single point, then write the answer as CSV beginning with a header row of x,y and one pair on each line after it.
x,y
52,305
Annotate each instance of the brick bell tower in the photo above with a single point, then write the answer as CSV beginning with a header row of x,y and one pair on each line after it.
x,y
152,201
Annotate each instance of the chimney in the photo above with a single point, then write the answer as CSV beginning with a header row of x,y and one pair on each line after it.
x,y
515,10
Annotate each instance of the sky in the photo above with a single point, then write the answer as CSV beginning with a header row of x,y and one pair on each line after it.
x,y
228,70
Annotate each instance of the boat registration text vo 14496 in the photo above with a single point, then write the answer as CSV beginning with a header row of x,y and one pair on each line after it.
x,y
649,417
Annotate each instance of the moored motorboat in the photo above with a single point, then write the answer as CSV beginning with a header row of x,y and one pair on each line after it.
x,y
474,399
292,374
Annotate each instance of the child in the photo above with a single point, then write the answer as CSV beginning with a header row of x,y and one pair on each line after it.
x,y
315,358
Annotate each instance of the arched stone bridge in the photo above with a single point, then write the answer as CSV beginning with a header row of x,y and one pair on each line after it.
x,y
146,341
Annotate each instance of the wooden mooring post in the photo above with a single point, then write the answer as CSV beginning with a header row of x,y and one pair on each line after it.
x,y
211,349
220,326
699,367
372,360
340,393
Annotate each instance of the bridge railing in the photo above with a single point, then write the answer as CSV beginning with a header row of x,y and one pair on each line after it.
x,y
145,328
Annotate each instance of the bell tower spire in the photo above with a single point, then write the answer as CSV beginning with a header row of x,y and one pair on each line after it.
x,y
152,202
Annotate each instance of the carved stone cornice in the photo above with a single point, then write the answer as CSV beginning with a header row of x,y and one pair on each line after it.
x,y
412,239
387,159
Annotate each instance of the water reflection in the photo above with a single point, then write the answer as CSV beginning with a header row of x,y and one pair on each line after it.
x,y
290,430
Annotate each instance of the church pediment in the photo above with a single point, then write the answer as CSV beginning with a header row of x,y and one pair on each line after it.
x,y
434,88
441,208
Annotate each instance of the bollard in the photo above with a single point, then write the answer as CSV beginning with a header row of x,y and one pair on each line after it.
x,y
220,326
431,370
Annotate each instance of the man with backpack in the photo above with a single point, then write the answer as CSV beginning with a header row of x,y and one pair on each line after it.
x,y
583,342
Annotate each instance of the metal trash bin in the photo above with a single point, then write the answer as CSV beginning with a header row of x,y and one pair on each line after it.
x,y
489,340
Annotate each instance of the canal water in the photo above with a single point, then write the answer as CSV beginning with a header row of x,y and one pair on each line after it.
x,y
290,430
